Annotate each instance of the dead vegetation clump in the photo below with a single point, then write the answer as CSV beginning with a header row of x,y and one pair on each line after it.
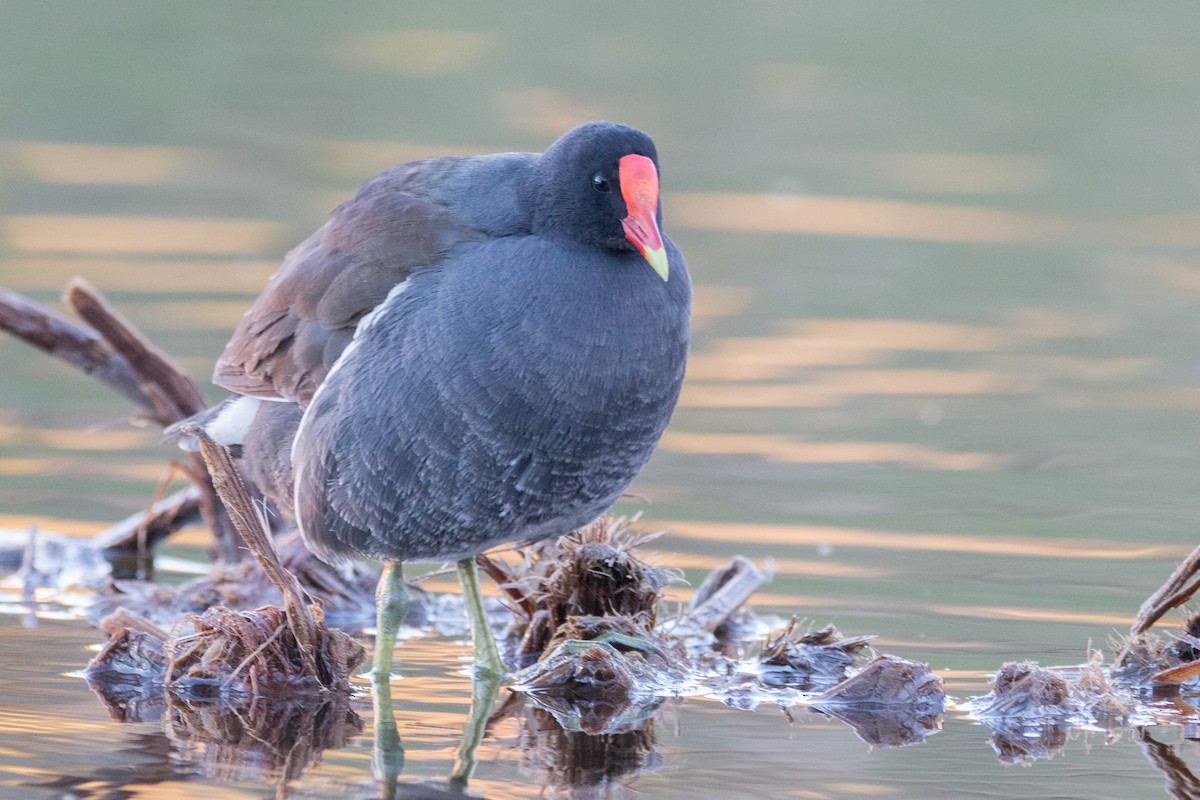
x,y
273,651
251,652
587,582
222,704
1031,709
1025,692
810,661
1145,660
887,681
222,654
891,702
1140,657
586,616
344,592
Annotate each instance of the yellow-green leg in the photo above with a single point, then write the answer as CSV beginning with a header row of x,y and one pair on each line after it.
x,y
483,695
487,655
391,604
387,759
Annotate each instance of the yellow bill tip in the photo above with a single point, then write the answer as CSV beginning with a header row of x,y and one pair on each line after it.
x,y
658,260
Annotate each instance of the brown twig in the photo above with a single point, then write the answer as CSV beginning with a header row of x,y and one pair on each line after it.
x,y
1179,588
119,355
172,393
73,343
156,523
249,525
723,592
505,577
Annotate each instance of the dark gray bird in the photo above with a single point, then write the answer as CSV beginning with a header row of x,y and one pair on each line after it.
x,y
472,351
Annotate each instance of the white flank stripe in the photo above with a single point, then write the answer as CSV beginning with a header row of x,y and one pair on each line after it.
x,y
229,426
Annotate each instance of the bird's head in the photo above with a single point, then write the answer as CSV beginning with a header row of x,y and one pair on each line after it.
x,y
598,185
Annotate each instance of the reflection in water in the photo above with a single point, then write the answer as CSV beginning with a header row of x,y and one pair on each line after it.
x,y
932,222
1181,781
221,739
61,233
888,726
867,217
961,173
1025,744
414,52
82,163
283,740
786,450
148,761
596,753
784,535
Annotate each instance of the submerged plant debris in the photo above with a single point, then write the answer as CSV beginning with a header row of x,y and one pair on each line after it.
x,y
250,658
812,660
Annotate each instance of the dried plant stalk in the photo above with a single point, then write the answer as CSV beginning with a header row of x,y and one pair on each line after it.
x,y
118,355
1178,589
171,392
73,343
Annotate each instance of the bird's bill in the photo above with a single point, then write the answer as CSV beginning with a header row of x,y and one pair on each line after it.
x,y
639,187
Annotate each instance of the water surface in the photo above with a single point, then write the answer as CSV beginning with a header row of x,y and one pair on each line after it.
x,y
944,372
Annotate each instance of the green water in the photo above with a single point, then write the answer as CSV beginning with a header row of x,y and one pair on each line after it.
x,y
944,369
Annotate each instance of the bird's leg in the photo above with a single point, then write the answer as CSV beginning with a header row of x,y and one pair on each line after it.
x,y
391,604
387,758
483,695
487,655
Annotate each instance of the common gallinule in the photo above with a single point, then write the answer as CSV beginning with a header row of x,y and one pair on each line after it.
x,y
472,351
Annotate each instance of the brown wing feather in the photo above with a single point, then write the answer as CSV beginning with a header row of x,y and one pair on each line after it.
x,y
296,329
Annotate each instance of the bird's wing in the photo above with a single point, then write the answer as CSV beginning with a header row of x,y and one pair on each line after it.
x,y
400,221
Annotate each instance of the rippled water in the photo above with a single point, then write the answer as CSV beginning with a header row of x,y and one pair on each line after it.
x,y
944,373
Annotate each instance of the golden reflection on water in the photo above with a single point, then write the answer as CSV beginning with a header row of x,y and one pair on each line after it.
x,y
931,222
866,217
544,111
833,387
413,52
363,158
1160,273
780,566
67,233
83,163
149,472
1032,614
25,466
196,315
762,396
894,334
818,535
193,275
68,527
966,173
788,450
76,439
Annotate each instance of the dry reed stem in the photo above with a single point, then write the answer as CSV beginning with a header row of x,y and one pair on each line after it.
x,y
232,491
1177,590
